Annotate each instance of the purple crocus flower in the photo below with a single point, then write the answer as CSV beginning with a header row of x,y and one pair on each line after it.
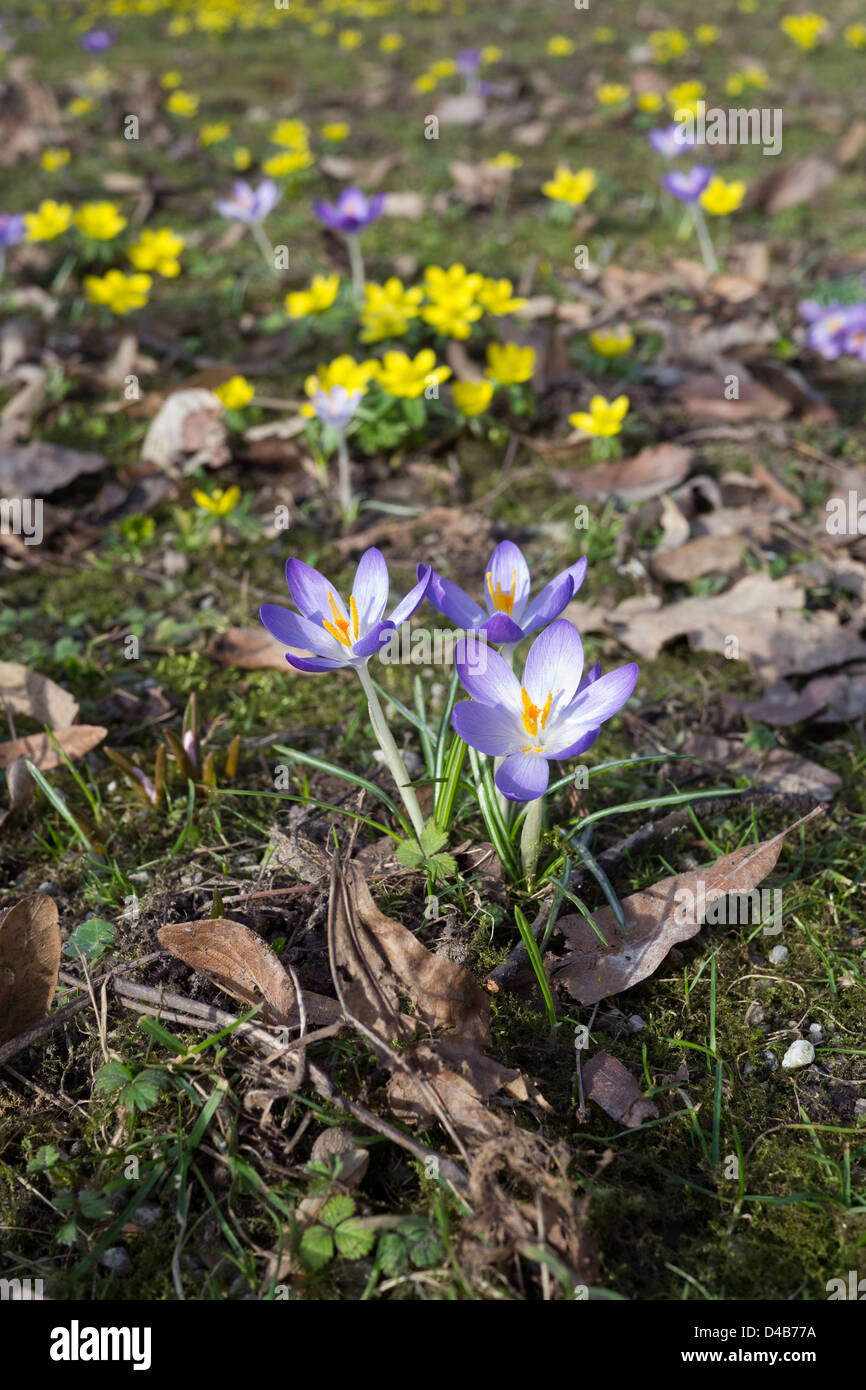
x,y
96,40
336,407
509,613
671,141
11,228
855,333
468,61
248,204
551,713
352,212
688,187
338,636
828,327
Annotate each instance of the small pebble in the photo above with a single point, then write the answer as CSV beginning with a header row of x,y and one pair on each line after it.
x,y
754,1014
116,1259
799,1054
771,1059
815,1033
778,955
636,1023
147,1215
860,1107
48,887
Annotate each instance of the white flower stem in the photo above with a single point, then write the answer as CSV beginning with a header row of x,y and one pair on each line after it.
x,y
704,240
264,245
530,836
344,485
356,260
390,751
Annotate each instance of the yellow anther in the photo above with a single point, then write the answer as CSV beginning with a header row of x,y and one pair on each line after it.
x,y
339,628
502,600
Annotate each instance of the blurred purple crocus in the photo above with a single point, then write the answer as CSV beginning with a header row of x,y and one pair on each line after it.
x,y
671,141
509,613
336,407
689,186
550,714
96,40
11,228
248,204
334,634
855,335
352,212
832,327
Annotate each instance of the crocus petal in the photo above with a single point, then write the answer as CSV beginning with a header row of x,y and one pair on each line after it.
x,y
500,628
509,572
314,664
590,677
376,207
552,600
580,745
406,607
523,777
453,603
554,664
492,731
592,706
370,589
312,592
492,682
375,638
293,630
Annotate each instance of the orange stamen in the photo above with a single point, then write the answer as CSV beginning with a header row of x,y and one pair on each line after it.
x,y
503,600
339,628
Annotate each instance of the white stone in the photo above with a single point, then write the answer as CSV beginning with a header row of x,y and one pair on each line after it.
x,y
799,1054
778,954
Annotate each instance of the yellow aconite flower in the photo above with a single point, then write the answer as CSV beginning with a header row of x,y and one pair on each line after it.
x,y
505,160
452,316
219,503
322,28
424,83
650,101
388,309
214,132
735,84
80,106
490,53
612,93
443,67
497,297
559,46
684,93
97,78
343,371
235,393
389,43
170,80
401,375
719,197
294,135
289,162
48,221
456,281
241,158
603,419
567,187
158,251
804,29
602,33
473,397
335,130
667,44
509,364
855,35
182,104
121,293
100,221
612,342
53,159
707,33
320,296
350,38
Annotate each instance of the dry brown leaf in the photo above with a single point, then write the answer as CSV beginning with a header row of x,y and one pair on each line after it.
x,y
187,432
243,965
652,471
250,649
19,413
781,705
21,789
852,142
799,181
29,963
612,1086
298,853
778,770
703,555
704,399
34,470
657,920
39,749
26,692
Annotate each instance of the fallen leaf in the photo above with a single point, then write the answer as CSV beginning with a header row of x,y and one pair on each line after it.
x,y
21,788
778,770
40,468
187,432
852,143
657,919
464,108
612,1086
251,649
799,181
652,471
29,963
704,398
26,692
703,555
39,749
243,965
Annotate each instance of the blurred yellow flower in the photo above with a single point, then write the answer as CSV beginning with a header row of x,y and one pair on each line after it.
x,y
235,393
388,309
505,160
509,364
80,106
241,158
667,44
684,93
401,375
567,187
289,162
295,135
170,80
612,342
604,417
650,101
389,43
219,503
497,297
213,133
182,104
443,67
612,93
342,371
48,221
490,53
804,29
707,33
120,293
559,46
100,221
424,83
335,130
319,297
53,159
350,38
473,397
719,197
602,33
157,250
855,35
